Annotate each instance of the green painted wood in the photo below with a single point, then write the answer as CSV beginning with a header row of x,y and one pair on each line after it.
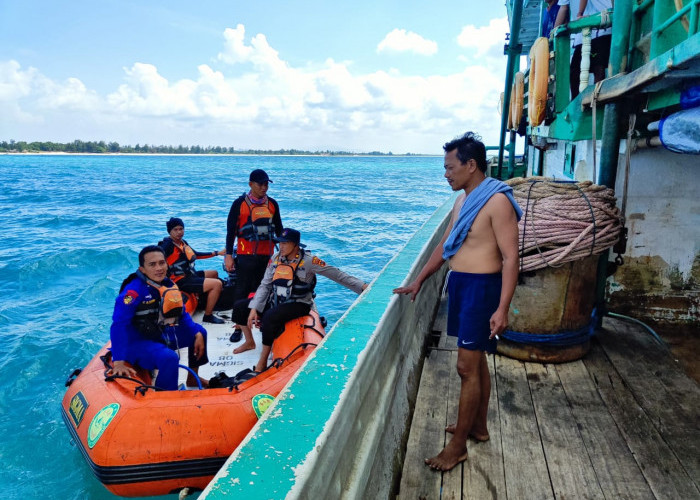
x,y
562,65
275,456
682,57
664,99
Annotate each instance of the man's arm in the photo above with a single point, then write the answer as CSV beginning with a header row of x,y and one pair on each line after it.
x,y
277,219
231,231
124,309
434,263
199,347
562,16
505,228
333,273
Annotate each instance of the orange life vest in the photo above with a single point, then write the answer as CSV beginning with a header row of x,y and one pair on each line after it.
x,y
256,228
181,261
165,310
286,286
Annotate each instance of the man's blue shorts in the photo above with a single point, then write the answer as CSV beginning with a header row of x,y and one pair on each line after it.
x,y
473,298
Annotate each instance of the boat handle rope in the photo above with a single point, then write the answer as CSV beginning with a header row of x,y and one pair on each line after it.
x,y
313,327
277,363
72,376
141,386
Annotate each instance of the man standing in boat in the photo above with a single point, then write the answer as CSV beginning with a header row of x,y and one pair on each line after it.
x,y
149,323
253,222
286,291
481,247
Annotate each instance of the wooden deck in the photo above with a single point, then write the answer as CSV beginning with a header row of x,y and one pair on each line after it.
x,y
623,423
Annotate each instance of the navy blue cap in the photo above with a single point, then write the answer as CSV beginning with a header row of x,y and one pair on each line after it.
x,y
290,235
259,175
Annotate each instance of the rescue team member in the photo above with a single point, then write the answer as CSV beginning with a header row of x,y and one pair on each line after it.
x,y
286,291
481,245
149,323
180,258
254,220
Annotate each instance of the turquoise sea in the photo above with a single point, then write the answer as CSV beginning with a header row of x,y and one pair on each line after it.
x,y
73,226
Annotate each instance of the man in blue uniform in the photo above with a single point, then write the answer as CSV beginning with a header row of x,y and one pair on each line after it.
x,y
149,324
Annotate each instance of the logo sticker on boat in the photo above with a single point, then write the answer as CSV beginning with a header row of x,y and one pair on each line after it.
x,y
76,410
261,402
100,422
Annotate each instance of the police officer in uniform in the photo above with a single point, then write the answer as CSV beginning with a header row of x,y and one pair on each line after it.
x,y
253,222
149,323
286,290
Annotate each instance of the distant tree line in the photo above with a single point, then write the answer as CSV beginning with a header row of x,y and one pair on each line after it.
x,y
79,146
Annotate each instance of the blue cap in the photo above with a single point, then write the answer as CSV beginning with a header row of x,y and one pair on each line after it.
x,y
259,175
290,235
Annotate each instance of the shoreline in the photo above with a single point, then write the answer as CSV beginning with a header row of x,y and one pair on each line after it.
x,y
362,155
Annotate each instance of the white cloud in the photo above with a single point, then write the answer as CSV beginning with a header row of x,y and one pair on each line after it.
x,y
26,94
258,100
14,82
485,38
400,40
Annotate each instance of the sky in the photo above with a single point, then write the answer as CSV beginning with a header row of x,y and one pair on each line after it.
x,y
361,76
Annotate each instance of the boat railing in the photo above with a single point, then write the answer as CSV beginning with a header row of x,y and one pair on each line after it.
x,y
655,52
325,434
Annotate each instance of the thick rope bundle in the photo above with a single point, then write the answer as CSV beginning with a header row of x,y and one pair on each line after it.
x,y
563,221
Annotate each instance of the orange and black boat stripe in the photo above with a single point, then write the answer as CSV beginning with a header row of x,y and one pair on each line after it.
x,y
162,471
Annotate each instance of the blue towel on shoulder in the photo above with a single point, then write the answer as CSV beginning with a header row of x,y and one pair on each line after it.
x,y
472,205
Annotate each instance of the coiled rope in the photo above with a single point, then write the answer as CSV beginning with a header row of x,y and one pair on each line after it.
x,y
563,221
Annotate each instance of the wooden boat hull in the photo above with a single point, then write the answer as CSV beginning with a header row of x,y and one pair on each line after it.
x,y
147,442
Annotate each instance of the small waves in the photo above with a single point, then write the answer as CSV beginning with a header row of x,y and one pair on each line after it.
x,y
74,226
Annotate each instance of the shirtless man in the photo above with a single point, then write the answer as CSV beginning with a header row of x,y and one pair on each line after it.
x,y
481,245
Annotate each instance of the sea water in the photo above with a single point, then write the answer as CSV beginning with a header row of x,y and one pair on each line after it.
x,y
72,227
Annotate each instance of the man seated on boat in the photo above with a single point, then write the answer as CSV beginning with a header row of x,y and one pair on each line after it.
x,y
481,246
180,258
149,324
286,290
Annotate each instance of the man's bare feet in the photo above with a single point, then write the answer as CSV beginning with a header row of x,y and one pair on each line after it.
x,y
450,456
475,435
245,346
260,367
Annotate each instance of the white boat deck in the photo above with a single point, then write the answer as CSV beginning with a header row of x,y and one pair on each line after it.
x,y
220,349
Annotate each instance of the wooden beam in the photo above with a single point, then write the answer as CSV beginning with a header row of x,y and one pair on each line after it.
x,y
618,474
660,466
427,436
523,458
484,476
669,398
570,467
680,58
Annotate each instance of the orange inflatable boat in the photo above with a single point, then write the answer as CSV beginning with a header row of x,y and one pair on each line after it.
x,y
139,441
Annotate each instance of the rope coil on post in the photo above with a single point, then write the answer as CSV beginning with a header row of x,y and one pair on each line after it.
x,y
563,221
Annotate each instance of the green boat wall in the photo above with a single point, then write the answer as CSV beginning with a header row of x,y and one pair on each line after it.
x,y
339,428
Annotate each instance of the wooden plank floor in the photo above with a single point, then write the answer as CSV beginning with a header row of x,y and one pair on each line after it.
x,y
622,423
